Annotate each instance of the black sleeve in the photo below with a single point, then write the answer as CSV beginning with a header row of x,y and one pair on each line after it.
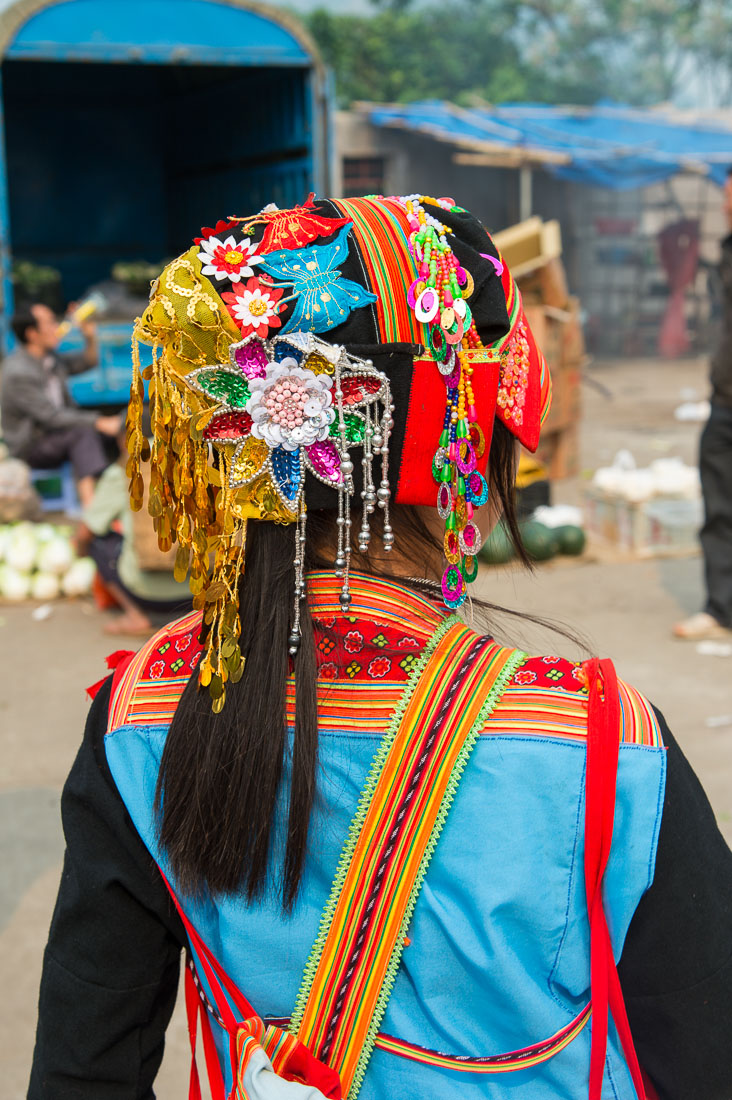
x,y
676,968
110,970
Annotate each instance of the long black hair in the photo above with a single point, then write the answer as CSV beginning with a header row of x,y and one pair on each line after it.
x,y
221,774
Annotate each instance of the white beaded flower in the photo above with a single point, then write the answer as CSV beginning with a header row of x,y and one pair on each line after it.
x,y
291,407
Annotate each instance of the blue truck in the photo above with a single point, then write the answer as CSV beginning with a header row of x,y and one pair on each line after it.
x,y
127,124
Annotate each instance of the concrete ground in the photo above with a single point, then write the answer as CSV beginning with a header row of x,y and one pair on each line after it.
x,y
625,608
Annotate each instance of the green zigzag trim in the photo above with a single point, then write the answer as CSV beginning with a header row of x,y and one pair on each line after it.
x,y
517,658
377,765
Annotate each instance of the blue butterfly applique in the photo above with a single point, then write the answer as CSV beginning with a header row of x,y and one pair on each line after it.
x,y
323,298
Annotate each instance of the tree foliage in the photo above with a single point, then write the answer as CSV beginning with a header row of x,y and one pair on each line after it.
x,y
553,51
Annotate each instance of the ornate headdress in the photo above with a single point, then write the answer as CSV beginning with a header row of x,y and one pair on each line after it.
x,y
340,350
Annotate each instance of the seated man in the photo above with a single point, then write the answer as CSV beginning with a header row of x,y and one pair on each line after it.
x,y
40,422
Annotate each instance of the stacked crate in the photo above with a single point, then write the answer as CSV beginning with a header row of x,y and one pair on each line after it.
x,y
533,251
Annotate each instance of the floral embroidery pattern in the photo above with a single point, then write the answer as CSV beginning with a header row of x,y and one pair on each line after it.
x,y
408,643
514,377
254,307
379,667
156,670
547,672
328,671
407,663
228,259
181,644
524,676
353,641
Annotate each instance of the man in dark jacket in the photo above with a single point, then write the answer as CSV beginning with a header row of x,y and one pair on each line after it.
x,y
40,422
715,467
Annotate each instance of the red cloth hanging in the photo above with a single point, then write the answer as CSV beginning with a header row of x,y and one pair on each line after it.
x,y
678,249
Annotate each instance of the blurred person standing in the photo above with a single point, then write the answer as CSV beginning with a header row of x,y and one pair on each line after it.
x,y
715,467
40,423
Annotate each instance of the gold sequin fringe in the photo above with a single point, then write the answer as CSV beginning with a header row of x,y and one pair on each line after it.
x,y
189,502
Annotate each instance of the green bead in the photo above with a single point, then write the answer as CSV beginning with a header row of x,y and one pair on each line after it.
x,y
444,439
446,474
461,486
463,429
451,522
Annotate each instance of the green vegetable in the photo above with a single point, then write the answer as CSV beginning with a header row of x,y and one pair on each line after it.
x,y
542,543
572,540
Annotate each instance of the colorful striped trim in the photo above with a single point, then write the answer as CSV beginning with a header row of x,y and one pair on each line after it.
x,y
376,600
127,690
513,309
545,385
380,229
498,1063
414,776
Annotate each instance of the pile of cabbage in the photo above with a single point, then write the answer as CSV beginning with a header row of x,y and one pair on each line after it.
x,y
38,562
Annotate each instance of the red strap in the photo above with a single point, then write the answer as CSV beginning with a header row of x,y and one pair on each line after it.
x,y
603,727
215,973
194,1009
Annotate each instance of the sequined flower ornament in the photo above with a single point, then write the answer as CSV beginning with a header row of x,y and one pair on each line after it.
x,y
254,307
228,259
291,407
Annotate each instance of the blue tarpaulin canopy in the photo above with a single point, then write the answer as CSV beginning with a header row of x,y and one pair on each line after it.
x,y
604,146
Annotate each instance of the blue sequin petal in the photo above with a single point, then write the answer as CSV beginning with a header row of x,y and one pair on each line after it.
x,y
287,473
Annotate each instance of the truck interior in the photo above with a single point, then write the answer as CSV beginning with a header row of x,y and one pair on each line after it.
x,y
111,162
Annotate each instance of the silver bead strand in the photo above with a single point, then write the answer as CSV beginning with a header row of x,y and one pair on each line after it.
x,y
299,563
384,493
343,558
367,492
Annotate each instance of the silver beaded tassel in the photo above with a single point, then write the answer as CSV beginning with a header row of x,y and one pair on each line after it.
x,y
300,590
376,413
345,492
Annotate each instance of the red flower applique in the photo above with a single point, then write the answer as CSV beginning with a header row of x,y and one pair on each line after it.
x,y
379,667
195,660
254,307
220,227
550,660
293,228
328,671
524,676
156,670
353,641
181,644
408,643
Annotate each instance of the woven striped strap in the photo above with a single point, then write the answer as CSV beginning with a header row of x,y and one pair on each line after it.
x,y
380,228
411,785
